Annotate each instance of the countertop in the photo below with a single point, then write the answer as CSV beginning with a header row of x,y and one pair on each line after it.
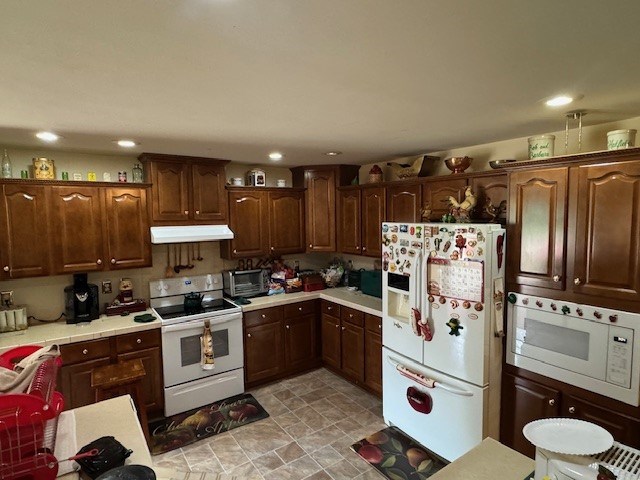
x,y
342,296
61,333
490,460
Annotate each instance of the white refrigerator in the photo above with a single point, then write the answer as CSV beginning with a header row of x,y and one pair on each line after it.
x,y
442,300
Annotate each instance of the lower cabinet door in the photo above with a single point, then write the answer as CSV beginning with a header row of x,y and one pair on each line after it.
x,y
331,341
353,351
373,361
74,382
524,401
300,342
152,387
264,351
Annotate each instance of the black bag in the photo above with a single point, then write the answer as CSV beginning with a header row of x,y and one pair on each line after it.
x,y
111,454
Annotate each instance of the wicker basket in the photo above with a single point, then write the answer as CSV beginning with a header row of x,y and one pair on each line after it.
x,y
375,177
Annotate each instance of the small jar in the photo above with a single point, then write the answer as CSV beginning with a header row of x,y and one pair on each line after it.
x,y
122,177
137,173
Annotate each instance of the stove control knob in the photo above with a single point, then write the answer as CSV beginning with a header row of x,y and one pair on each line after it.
x,y
613,318
538,303
554,307
598,315
579,312
525,301
511,298
565,310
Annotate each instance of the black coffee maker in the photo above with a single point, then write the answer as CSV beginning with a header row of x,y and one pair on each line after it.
x,y
81,300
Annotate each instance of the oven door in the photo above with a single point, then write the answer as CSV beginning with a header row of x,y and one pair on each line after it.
x,y
568,343
181,348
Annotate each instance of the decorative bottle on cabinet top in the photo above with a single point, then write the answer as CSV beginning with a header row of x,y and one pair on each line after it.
x,y
6,165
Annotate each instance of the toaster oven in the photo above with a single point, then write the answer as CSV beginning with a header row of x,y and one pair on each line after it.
x,y
245,283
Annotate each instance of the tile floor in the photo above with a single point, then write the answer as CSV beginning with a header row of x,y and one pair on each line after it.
x,y
314,418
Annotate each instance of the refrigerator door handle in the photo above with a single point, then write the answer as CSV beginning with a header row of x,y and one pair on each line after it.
x,y
427,382
416,315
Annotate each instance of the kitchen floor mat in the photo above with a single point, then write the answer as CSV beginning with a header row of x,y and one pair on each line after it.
x,y
397,456
189,427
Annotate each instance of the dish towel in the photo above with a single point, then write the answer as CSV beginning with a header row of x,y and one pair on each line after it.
x,y
18,379
207,360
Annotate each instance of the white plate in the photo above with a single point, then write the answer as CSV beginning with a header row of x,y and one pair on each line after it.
x,y
568,435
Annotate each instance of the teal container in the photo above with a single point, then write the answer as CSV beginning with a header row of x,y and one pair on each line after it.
x,y
371,282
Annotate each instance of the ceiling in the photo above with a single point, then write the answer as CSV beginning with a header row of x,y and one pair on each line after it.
x,y
375,79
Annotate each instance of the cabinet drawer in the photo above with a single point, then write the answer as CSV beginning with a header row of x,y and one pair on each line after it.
x,y
83,351
373,323
352,316
265,315
137,341
299,309
330,308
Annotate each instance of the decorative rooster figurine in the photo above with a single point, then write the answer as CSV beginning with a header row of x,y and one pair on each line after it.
x,y
462,210
407,170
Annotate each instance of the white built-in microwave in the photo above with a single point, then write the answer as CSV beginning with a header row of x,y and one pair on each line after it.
x,y
590,347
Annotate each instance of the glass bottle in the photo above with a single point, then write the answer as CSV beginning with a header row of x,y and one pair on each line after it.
x,y
6,165
137,173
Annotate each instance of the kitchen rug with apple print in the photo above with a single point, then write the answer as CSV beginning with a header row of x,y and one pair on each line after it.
x,y
397,456
189,427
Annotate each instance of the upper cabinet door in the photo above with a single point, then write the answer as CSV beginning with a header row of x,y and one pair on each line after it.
x,y
607,230
248,221
490,190
170,191
373,213
321,210
24,239
209,195
536,227
128,238
404,203
349,234
286,222
76,229
436,194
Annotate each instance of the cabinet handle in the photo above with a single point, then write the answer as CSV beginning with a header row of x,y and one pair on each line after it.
x,y
329,307
263,316
379,326
272,249
139,340
310,246
85,351
6,268
99,261
364,249
344,328
552,402
248,335
351,315
357,247
113,261
287,327
556,278
299,309
235,251
572,409
186,212
577,281
197,212
337,326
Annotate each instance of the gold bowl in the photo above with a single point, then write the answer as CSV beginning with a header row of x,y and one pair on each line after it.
x,y
458,164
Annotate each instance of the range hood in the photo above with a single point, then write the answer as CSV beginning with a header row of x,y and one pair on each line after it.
x,y
190,233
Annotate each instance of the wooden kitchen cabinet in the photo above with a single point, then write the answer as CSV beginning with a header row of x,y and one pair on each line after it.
x,y
436,193
79,359
77,220
489,188
331,351
186,190
128,244
373,353
404,202
352,348
264,222
280,341
320,202
536,227
525,400
361,211
24,235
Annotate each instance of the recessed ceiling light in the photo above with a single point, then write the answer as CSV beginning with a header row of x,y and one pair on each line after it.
x,y
275,156
126,143
559,101
333,154
47,136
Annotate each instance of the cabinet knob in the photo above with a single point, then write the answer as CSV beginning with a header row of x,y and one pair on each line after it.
x,y
197,212
552,402
344,328
6,268
235,251
113,261
379,326
248,335
329,307
556,278
139,340
99,261
287,327
351,315
337,326
263,316
186,212
364,249
357,247
577,281
310,246
299,309
272,249
85,351
572,409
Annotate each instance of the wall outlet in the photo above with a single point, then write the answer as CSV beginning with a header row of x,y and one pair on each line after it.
x,y
106,286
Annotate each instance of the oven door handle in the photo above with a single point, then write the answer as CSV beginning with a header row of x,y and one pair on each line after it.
x,y
177,327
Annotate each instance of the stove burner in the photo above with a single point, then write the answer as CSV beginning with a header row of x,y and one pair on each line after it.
x,y
178,311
